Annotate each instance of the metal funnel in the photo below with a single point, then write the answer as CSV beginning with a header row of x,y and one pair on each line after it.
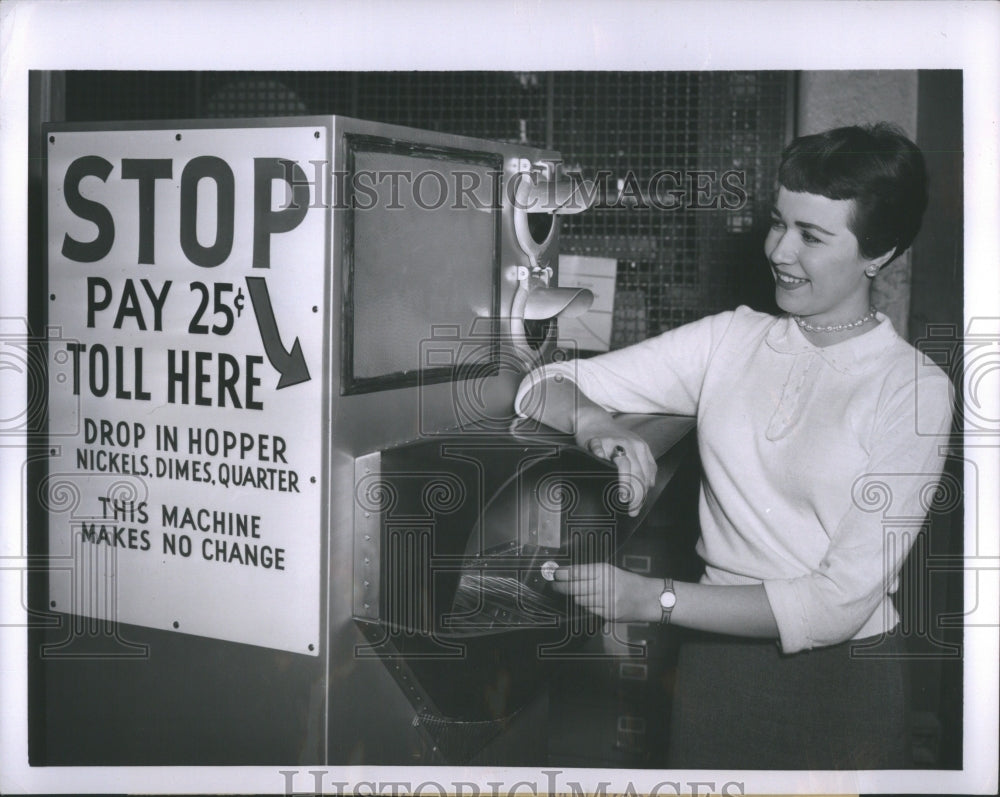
x,y
543,303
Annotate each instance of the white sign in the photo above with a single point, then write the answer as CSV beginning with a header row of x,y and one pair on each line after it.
x,y
186,288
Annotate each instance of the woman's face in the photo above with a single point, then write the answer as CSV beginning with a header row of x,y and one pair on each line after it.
x,y
819,274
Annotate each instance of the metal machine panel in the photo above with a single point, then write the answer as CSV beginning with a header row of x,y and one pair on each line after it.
x,y
436,365
451,364
369,500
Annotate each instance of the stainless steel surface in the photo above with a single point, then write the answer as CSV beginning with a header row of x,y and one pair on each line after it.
x,y
417,684
369,499
364,425
544,303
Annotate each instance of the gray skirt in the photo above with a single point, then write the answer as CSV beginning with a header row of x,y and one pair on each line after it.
x,y
743,704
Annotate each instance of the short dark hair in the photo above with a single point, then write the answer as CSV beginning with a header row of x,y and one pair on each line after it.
x,y
875,165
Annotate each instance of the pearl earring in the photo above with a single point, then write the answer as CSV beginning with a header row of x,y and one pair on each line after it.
x,y
871,271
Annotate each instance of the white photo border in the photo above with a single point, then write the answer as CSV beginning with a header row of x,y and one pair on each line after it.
x,y
522,36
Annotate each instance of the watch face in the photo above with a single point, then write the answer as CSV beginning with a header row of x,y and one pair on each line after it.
x,y
667,599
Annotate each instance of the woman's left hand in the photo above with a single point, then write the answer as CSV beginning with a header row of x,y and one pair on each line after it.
x,y
610,592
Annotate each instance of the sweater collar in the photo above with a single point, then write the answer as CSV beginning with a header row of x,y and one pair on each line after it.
x,y
851,356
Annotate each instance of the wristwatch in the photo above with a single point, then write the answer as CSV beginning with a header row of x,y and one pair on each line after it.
x,y
668,599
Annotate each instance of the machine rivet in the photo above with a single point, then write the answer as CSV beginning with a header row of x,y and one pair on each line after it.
x,y
368,583
367,606
368,514
367,560
368,537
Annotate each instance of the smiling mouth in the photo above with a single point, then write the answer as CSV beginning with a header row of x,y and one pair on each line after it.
x,y
787,279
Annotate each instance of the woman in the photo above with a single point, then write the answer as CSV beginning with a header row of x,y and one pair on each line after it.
x,y
799,418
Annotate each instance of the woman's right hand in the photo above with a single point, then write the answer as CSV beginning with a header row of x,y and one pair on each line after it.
x,y
607,440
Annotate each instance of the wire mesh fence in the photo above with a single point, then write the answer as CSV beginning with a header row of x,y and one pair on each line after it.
x,y
684,161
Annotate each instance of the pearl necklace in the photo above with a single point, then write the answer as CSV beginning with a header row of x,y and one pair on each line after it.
x,y
836,327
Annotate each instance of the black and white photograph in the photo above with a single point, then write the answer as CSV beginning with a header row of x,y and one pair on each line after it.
x,y
499,399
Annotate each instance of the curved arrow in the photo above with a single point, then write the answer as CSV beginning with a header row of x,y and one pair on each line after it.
x,y
290,364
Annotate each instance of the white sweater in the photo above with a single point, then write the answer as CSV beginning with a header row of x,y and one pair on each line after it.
x,y
819,462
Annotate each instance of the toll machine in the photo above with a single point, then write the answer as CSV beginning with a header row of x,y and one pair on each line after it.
x,y
437,506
